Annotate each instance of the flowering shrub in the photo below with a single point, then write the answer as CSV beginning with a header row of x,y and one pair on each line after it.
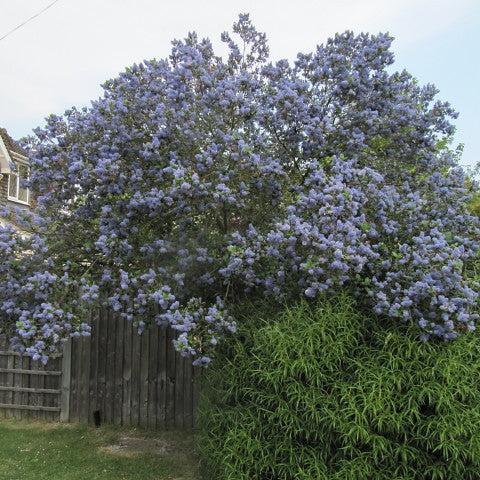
x,y
195,179
37,307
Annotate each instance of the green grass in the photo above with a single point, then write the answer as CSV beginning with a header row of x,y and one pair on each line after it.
x,y
41,451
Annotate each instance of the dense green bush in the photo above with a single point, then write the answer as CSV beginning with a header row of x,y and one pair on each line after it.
x,y
326,393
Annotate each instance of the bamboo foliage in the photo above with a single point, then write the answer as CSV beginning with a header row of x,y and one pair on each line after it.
x,y
325,393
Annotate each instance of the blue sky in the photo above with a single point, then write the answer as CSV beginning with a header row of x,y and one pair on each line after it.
x,y
60,58
451,60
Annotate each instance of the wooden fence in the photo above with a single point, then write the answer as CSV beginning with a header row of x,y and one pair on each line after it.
x,y
27,388
114,375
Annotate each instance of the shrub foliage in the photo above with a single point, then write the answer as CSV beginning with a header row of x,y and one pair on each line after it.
x,y
325,393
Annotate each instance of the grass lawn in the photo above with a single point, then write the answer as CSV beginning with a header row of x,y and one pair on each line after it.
x,y
42,451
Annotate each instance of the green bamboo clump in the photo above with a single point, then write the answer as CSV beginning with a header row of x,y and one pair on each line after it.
x,y
323,392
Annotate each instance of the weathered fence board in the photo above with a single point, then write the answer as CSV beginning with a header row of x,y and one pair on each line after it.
x,y
66,382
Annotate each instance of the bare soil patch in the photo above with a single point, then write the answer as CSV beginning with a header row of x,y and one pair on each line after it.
x,y
130,446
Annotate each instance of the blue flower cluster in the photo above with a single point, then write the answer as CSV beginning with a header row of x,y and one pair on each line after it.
x,y
196,180
37,312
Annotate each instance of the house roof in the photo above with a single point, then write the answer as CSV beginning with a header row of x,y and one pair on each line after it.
x,y
11,145
8,147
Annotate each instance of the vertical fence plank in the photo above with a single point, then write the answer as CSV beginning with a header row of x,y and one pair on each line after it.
x,y
24,382
145,341
127,372
65,382
73,381
135,396
118,370
10,383
50,382
3,376
170,402
77,356
55,399
39,382
17,382
152,377
179,400
35,399
110,368
187,393
84,380
102,362
161,377
93,374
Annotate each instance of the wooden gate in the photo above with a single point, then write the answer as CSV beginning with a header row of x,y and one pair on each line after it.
x,y
130,379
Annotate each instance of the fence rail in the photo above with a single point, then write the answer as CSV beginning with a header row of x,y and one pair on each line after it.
x,y
114,375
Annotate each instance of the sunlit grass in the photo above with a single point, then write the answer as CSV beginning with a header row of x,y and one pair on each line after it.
x,y
43,451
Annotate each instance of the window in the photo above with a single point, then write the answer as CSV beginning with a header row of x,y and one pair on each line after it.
x,y
17,189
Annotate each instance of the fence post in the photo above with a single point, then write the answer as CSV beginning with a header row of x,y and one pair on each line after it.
x,y
66,380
